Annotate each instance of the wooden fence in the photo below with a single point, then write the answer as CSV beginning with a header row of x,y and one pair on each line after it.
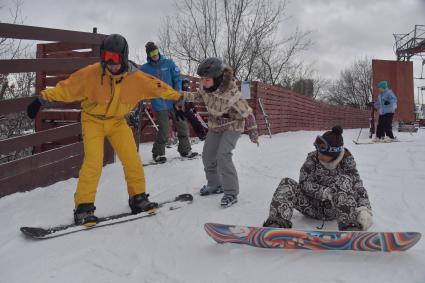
x,y
56,142
290,111
287,111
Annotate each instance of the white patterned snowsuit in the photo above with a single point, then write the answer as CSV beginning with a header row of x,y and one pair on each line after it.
x,y
311,195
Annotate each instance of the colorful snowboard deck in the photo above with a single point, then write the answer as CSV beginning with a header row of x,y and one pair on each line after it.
x,y
267,237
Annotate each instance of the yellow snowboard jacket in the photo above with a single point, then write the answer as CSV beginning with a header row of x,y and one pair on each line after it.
x,y
109,96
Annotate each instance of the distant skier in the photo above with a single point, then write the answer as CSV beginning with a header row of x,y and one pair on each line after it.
x,y
228,116
168,72
387,104
108,91
329,188
192,116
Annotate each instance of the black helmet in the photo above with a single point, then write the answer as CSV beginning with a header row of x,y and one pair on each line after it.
x,y
211,67
116,43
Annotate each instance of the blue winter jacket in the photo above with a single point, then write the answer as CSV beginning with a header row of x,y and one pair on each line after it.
x,y
168,72
389,96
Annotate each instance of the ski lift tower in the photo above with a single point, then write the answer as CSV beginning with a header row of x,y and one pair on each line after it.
x,y
410,44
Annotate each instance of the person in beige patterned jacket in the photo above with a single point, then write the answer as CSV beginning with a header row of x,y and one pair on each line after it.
x,y
229,115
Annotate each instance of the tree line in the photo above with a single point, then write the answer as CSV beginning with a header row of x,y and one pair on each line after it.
x,y
248,36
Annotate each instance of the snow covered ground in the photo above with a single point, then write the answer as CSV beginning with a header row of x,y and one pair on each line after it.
x,y
173,246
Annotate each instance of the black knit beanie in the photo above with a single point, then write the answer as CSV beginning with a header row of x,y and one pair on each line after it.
x,y
150,46
334,139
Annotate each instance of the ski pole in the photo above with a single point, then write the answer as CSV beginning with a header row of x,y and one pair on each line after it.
x,y
151,119
359,134
266,119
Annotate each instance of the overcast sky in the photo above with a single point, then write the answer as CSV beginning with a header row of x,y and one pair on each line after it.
x,y
342,30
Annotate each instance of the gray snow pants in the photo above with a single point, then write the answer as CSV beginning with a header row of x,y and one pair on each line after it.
x,y
217,159
288,196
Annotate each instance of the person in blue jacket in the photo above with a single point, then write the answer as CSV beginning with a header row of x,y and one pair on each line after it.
x,y
168,72
387,104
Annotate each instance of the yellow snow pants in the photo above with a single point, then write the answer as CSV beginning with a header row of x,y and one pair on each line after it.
x,y
121,138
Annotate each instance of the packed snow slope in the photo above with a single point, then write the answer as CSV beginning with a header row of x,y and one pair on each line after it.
x,y
173,246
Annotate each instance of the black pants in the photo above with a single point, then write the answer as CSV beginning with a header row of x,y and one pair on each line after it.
x,y
385,126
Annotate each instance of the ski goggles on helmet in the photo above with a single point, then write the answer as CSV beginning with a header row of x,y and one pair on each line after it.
x,y
111,58
322,145
153,53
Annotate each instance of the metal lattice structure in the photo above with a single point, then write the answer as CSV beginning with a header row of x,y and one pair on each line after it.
x,y
410,44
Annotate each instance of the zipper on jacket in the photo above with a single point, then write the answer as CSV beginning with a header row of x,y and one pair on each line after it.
x,y
112,96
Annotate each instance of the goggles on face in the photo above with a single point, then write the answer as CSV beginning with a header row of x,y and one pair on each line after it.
x,y
111,58
153,53
322,145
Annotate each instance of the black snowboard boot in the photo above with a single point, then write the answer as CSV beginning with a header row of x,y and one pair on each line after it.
x,y
350,225
84,214
189,155
159,158
140,203
277,223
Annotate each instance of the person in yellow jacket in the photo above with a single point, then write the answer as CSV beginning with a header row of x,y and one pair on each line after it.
x,y
108,90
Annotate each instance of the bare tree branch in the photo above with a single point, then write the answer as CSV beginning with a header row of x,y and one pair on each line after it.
x,y
354,86
242,32
15,85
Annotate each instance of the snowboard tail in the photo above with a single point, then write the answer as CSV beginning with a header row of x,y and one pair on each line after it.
x,y
268,237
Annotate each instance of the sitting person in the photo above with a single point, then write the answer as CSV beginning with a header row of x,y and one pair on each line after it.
x,y
329,188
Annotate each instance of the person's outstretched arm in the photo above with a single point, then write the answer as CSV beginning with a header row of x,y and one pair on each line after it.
x,y
68,90
153,87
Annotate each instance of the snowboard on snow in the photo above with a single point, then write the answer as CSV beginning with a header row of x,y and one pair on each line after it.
x,y
61,230
277,238
177,158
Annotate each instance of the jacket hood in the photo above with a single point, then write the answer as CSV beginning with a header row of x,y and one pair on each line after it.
x,y
228,79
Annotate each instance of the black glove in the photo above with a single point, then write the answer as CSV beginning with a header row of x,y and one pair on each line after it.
x,y
34,107
179,114
133,119
189,107
386,102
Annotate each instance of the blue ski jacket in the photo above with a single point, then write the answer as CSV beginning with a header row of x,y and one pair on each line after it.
x,y
390,99
167,71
